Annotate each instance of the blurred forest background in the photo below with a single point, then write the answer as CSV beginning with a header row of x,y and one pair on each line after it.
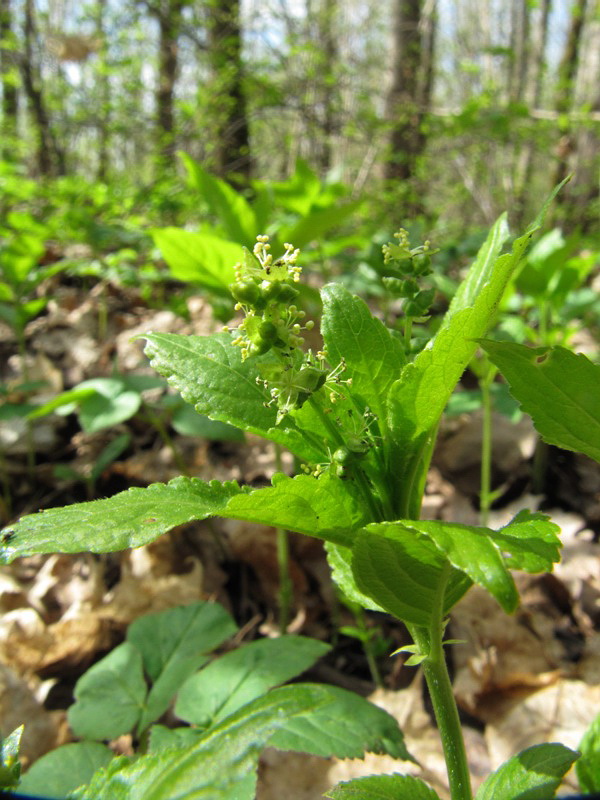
x,y
453,110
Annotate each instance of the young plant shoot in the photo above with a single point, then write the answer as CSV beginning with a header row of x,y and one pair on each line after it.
x,y
361,414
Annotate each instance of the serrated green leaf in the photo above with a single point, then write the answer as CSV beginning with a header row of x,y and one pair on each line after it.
x,y
162,738
238,677
533,774
347,727
588,766
383,787
559,389
173,645
128,519
401,571
481,270
110,696
417,399
209,373
200,258
326,507
372,355
63,770
339,559
220,760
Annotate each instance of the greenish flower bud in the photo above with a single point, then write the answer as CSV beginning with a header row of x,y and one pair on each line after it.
x,y
245,292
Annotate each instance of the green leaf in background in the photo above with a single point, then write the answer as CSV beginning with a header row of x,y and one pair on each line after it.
x,y
318,222
187,422
219,764
588,766
238,677
229,206
559,389
373,356
173,645
326,507
129,519
61,771
383,787
347,727
10,766
200,258
533,774
110,696
209,373
401,572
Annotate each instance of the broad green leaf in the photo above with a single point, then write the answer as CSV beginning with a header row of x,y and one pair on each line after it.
x,y
10,766
484,556
217,763
533,774
173,645
339,559
559,389
383,787
230,207
588,766
238,677
129,519
198,257
481,270
347,727
401,571
209,373
326,507
61,771
417,399
187,422
110,696
163,738
318,222
373,356
110,404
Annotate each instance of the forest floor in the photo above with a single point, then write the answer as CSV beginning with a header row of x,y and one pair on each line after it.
x,y
522,680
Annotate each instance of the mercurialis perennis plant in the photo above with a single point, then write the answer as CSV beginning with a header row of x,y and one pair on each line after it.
x,y
360,413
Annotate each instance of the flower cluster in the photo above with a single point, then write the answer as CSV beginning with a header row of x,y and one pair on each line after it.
x,y
404,268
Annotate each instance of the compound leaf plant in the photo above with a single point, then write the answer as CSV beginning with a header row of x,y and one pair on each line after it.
x,y
361,415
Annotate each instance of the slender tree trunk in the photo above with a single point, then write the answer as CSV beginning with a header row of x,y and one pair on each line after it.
x,y
567,72
50,158
329,54
103,124
169,21
10,97
230,118
408,100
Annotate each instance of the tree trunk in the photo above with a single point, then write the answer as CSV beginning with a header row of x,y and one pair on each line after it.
x,y
567,72
408,100
10,97
329,54
229,112
103,123
169,22
50,158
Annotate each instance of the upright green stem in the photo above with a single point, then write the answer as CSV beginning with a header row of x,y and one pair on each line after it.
x,y
485,489
283,562
442,698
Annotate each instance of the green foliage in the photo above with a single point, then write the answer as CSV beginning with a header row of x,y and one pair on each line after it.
x,y
533,774
558,388
383,787
231,700
363,418
588,765
10,766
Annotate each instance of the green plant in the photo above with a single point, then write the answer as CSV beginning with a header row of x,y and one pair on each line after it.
x,y
171,653
362,418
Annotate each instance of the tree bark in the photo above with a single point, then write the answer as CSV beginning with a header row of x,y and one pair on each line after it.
x,y
10,96
231,128
409,97
50,157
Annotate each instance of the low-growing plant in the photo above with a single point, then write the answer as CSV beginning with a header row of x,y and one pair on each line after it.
x,y
171,653
361,414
